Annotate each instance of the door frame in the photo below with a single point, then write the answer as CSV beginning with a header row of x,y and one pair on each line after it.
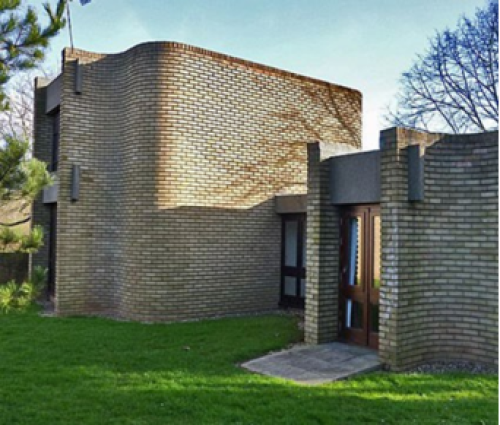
x,y
299,272
366,293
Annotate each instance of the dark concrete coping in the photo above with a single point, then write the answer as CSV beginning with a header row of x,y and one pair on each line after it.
x,y
290,204
53,94
355,178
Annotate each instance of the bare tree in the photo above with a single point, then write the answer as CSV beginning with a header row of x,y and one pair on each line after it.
x,y
454,85
17,119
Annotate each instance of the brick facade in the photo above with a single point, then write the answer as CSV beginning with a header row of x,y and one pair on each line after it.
x,y
439,282
439,294
322,289
182,151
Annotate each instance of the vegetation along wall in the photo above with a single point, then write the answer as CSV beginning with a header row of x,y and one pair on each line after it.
x,y
13,267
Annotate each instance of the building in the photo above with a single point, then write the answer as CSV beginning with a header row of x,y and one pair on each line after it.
x,y
169,159
191,184
403,248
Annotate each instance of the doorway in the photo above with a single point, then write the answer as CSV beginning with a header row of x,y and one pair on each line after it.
x,y
360,256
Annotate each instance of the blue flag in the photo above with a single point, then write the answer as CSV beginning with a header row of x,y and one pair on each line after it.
x,y
84,2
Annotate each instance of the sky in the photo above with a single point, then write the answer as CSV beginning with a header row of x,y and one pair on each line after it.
x,y
363,44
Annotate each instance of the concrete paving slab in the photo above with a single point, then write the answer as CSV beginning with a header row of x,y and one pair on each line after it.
x,y
316,364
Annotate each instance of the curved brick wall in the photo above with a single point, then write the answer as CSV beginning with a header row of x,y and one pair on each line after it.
x,y
439,299
182,151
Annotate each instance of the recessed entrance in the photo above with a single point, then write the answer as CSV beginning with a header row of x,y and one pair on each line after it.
x,y
360,274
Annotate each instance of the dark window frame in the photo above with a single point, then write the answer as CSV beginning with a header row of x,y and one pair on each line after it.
x,y
299,271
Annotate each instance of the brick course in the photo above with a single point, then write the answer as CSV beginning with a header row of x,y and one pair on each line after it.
x,y
182,151
439,294
323,267
439,286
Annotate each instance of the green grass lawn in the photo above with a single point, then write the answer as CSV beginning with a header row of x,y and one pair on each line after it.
x,y
97,371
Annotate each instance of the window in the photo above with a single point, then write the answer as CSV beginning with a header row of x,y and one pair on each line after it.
x,y
55,141
293,271
291,242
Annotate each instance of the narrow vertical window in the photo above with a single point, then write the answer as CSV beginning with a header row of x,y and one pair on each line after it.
x,y
55,141
293,272
291,242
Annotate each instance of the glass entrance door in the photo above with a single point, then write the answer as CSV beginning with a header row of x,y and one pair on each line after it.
x,y
360,275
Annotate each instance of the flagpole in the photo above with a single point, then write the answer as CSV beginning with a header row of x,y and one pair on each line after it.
x,y
68,14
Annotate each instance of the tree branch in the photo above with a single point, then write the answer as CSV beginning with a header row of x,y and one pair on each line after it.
x,y
16,223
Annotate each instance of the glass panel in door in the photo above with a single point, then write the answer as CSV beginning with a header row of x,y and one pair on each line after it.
x,y
355,251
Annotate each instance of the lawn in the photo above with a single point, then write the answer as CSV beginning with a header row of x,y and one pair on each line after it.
x,y
97,371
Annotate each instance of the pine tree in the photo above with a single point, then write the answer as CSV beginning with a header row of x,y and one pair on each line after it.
x,y
21,180
23,44
23,40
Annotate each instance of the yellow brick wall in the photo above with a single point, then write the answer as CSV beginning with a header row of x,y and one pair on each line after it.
x,y
182,151
439,292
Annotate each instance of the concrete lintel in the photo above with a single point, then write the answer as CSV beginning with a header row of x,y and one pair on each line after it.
x,y
290,204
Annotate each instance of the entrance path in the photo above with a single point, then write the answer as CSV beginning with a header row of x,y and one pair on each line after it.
x,y
316,364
